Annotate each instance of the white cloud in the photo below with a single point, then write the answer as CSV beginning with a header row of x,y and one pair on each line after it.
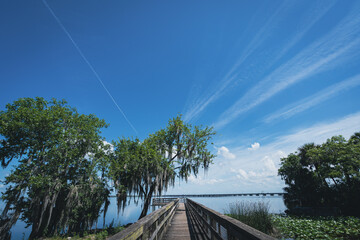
x,y
242,174
90,155
254,146
225,153
203,181
106,143
256,171
269,165
267,169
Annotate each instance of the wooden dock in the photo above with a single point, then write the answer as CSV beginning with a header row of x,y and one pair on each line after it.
x,y
186,219
179,226
195,221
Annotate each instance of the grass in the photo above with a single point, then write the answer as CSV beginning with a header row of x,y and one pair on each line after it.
x,y
254,214
317,228
101,234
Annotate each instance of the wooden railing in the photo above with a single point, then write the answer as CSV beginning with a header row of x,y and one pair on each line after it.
x,y
162,201
214,225
152,226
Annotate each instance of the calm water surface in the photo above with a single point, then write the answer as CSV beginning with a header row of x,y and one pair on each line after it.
x,y
132,211
220,204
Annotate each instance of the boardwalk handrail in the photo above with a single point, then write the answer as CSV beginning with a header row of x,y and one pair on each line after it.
x,y
215,225
152,226
160,201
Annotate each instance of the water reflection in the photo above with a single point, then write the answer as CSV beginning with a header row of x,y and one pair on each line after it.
x,y
130,214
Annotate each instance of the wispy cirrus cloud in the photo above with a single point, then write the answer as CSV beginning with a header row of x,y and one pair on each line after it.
x,y
231,75
331,50
318,133
314,100
310,17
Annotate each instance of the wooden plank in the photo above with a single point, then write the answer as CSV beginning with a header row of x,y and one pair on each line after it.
x,y
179,228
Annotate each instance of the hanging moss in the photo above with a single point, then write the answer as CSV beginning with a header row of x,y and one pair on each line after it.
x,y
55,187
150,167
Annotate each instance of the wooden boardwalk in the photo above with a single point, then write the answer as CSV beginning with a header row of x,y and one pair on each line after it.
x,y
191,220
179,227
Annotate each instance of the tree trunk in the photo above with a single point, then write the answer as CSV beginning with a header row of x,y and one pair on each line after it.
x,y
147,202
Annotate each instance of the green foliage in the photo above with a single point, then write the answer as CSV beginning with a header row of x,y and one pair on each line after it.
x,y
55,186
254,214
90,235
148,167
318,228
326,175
61,181
101,235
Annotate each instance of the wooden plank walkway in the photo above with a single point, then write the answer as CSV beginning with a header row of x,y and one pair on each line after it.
x,y
189,221
179,227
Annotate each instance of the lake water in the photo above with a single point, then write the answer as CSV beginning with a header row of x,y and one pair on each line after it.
x,y
132,211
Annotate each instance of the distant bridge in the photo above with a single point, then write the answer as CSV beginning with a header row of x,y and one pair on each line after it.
x,y
224,195
215,195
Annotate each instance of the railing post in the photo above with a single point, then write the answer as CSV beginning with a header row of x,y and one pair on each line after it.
x,y
219,228
211,226
156,225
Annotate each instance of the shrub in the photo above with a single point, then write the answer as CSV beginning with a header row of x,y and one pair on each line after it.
x,y
101,235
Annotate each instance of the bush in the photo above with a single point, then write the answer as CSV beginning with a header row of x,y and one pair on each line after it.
x,y
101,235
254,214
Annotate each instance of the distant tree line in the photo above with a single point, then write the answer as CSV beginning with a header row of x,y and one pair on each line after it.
x,y
65,171
325,176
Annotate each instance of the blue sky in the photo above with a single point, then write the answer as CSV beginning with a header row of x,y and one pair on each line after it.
x,y
268,75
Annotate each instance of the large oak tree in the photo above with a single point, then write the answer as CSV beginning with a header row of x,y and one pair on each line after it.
x,y
58,184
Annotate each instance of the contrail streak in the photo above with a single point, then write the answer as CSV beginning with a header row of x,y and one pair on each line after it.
x,y
88,63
